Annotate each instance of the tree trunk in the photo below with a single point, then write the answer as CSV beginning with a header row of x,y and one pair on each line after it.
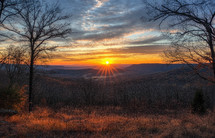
x,y
31,83
211,45
213,93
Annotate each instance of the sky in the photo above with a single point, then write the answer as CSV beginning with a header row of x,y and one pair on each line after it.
x,y
113,30
117,31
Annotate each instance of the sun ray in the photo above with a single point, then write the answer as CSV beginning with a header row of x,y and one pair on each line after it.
x,y
107,69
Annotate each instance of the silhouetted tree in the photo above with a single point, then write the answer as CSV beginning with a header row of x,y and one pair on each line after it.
x,y
192,24
36,23
12,59
192,32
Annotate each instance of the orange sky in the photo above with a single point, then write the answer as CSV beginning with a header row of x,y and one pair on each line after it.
x,y
138,59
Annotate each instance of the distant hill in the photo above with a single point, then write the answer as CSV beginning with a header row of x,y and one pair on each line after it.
x,y
145,69
130,71
125,71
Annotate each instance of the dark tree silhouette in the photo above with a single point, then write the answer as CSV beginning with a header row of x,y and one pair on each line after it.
x,y
193,24
11,59
35,24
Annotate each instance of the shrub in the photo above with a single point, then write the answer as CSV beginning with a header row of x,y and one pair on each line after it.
x,y
198,104
11,98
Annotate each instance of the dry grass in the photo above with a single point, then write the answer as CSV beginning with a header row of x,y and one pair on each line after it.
x,y
108,122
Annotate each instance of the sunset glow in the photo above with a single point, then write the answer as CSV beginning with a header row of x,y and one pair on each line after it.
x,y
100,38
106,69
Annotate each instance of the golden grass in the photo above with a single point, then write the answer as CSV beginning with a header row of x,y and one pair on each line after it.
x,y
95,122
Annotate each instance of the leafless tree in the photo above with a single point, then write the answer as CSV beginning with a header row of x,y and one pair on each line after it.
x,y
192,24
12,59
36,23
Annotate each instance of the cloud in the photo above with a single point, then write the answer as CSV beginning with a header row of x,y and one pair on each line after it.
x,y
114,28
120,52
149,40
97,20
152,49
94,58
106,19
117,53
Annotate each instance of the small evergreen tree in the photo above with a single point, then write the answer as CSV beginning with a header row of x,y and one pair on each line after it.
x,y
198,104
12,98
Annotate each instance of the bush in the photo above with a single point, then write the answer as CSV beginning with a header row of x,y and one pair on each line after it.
x,y
11,98
198,104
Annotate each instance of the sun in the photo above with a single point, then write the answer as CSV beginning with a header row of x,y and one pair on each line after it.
x,y
107,68
106,62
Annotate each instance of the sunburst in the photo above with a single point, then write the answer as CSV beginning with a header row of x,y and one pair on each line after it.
x,y
107,69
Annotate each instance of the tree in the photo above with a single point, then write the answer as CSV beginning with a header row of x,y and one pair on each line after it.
x,y
198,104
12,59
35,24
193,24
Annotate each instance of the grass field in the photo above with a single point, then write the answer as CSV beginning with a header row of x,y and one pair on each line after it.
x,y
106,122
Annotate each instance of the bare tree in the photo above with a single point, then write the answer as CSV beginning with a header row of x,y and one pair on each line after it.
x,y
12,59
193,24
35,24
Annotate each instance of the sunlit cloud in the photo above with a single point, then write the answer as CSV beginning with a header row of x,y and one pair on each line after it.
x,y
99,3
